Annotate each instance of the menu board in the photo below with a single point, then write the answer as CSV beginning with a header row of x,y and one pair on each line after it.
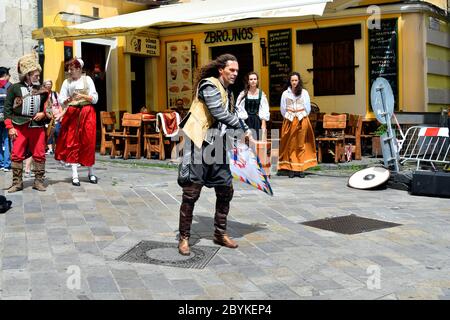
x,y
383,60
179,72
280,63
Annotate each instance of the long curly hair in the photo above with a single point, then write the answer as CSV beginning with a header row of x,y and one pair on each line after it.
x,y
298,89
212,68
247,85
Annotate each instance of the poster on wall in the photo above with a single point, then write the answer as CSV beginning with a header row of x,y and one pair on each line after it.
x,y
179,72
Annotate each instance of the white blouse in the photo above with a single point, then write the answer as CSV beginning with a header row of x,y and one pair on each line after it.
x,y
264,110
298,107
69,86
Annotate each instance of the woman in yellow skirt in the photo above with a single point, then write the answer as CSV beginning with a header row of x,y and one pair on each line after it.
x,y
297,142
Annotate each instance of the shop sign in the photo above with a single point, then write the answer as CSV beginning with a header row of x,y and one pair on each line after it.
x,y
142,45
228,35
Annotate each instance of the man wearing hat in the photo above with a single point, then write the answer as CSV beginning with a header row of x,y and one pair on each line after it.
x,y
25,117
5,159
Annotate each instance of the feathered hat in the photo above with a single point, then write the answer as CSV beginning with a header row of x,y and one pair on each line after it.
x,y
28,63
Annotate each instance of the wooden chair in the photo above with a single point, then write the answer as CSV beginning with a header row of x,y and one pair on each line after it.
x,y
367,137
108,126
153,140
334,126
353,133
131,135
171,142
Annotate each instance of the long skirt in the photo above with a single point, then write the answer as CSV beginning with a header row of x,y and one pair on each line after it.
x,y
297,145
254,122
76,141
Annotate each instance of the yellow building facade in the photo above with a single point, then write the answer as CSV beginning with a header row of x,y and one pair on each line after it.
x,y
338,54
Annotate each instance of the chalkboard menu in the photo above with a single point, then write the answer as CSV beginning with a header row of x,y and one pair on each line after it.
x,y
383,53
280,63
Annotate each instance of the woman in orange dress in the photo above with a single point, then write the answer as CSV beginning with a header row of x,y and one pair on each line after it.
x,y
297,142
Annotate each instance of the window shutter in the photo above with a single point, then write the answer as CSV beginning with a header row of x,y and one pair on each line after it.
x,y
334,72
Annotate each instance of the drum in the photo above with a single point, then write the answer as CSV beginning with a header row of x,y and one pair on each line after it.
x,y
369,178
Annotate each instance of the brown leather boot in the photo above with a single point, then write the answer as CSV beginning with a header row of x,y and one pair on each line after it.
x,y
39,172
224,194
17,183
225,240
183,246
191,194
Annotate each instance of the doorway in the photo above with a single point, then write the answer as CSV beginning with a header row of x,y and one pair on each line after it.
x,y
138,93
94,58
244,55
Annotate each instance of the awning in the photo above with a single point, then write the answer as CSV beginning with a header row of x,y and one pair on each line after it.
x,y
196,11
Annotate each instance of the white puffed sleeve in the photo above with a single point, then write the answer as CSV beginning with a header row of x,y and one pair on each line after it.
x,y
307,100
283,106
264,109
64,93
240,106
92,92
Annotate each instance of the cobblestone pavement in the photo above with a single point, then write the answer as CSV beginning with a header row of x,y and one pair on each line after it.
x,y
49,238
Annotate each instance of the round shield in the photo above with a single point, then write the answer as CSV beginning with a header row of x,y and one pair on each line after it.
x,y
369,178
382,99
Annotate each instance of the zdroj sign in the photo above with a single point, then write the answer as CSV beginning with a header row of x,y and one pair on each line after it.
x,y
228,35
142,45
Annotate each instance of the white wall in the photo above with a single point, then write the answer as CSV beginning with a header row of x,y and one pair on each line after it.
x,y
18,18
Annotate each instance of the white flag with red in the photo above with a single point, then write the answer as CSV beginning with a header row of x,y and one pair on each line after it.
x,y
433,132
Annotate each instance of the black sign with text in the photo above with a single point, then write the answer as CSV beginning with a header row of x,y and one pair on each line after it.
x,y
280,63
383,55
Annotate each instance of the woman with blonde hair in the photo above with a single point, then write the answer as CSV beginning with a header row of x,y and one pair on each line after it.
x,y
55,124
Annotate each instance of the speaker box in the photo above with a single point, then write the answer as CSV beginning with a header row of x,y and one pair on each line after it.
x,y
400,181
428,183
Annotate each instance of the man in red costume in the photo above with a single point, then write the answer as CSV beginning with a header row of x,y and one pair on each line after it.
x,y
25,118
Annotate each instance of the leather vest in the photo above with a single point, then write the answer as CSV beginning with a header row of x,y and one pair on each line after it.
x,y
197,122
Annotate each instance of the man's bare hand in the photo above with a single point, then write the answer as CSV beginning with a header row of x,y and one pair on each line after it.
x,y
39,116
17,102
249,136
12,133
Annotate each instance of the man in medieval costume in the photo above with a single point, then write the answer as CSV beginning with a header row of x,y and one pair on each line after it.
x,y
209,117
25,118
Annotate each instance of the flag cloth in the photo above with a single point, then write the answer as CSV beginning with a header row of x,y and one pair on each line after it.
x,y
246,167
433,132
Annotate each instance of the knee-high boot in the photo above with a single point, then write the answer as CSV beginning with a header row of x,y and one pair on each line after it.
x,y
39,172
191,194
17,183
224,194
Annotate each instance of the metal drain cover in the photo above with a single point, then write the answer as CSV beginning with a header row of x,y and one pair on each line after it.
x,y
166,254
351,224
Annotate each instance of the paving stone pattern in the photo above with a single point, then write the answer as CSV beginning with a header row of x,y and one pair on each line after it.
x,y
63,243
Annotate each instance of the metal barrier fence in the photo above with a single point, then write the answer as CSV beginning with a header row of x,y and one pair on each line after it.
x,y
425,144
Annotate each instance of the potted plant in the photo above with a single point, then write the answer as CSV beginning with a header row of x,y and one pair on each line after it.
x,y
376,140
